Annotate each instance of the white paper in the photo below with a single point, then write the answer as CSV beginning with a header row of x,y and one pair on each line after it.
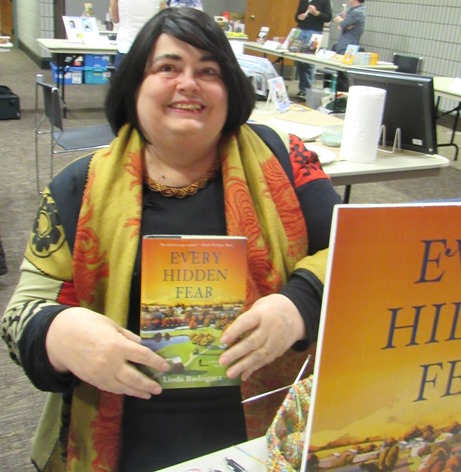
x,y
362,123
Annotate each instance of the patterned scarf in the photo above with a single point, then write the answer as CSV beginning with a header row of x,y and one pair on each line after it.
x,y
260,203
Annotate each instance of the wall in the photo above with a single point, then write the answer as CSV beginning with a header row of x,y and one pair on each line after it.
x,y
415,27
216,7
34,19
75,8
213,7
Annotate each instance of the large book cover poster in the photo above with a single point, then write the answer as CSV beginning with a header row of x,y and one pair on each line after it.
x,y
192,288
387,387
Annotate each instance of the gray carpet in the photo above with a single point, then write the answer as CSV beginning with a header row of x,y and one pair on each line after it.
x,y
20,403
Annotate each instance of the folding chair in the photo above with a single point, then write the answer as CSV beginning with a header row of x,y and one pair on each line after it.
x,y
408,64
49,120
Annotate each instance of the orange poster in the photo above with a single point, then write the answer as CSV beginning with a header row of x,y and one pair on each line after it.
x,y
192,288
387,381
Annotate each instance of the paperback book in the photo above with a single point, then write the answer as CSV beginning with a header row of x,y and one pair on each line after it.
x,y
192,289
350,54
278,95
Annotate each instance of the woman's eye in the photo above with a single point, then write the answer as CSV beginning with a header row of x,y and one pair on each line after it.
x,y
209,73
167,68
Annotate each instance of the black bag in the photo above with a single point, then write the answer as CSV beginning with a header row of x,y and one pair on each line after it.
x,y
9,104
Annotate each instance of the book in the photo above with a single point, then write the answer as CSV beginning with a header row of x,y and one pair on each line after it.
x,y
192,288
278,95
81,29
350,53
292,35
386,384
314,44
262,35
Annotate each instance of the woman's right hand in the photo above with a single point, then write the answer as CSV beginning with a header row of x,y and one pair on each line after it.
x,y
101,353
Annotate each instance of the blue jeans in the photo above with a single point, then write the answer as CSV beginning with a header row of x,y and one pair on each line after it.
x,y
306,72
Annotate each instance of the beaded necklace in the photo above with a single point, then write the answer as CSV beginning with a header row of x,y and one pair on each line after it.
x,y
181,192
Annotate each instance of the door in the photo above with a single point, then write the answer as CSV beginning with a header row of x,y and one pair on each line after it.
x,y
59,12
6,17
279,16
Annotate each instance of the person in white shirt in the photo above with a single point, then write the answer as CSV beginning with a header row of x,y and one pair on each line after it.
x,y
131,15
197,4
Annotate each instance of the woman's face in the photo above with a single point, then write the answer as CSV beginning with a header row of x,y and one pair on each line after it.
x,y
182,94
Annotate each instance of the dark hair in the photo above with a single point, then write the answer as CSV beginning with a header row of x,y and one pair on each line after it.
x,y
197,29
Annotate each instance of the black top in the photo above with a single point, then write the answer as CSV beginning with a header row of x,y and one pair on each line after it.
x,y
314,23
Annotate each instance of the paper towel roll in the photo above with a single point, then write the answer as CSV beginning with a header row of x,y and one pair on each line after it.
x,y
362,123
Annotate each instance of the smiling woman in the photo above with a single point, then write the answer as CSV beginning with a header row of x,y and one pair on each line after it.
x,y
184,161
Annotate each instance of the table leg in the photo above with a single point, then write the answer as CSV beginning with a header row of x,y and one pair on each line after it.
x,y
60,80
453,129
347,193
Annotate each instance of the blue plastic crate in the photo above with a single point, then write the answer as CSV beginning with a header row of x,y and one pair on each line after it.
x,y
96,75
72,75
101,61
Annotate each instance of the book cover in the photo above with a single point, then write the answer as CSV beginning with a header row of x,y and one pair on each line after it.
x,y
387,379
314,44
292,35
350,53
262,35
278,95
192,288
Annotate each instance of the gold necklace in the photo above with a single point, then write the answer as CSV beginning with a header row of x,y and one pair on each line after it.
x,y
181,192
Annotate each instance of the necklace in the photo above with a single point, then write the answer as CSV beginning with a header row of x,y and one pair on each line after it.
x,y
181,192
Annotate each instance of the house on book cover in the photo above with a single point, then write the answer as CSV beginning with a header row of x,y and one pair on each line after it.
x,y
192,288
387,382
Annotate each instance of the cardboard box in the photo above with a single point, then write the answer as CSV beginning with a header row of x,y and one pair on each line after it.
x,y
96,75
101,61
72,75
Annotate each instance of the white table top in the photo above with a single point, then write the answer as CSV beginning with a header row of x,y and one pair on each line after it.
x,y
64,46
334,64
251,455
401,165
448,87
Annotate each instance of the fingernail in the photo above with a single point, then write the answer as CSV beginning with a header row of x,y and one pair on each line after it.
x,y
231,373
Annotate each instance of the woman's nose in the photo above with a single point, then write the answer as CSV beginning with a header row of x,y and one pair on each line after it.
x,y
187,81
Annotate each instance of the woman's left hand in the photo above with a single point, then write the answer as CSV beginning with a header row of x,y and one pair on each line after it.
x,y
261,334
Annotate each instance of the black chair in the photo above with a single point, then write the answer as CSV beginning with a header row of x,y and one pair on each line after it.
x,y
49,120
408,64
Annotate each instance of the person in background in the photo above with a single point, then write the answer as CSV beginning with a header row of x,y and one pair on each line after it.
x,y
351,24
197,4
310,17
130,16
184,161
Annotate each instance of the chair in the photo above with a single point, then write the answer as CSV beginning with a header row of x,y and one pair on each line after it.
x,y
49,120
408,64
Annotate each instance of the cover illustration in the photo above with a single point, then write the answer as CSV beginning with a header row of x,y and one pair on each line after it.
x,y
387,380
192,288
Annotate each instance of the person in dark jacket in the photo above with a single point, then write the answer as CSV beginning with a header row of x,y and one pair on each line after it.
x,y
310,17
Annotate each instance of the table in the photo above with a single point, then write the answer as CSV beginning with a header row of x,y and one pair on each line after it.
x,y
401,165
448,87
333,64
251,455
61,48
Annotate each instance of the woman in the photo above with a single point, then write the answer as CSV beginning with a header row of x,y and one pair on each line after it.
x,y
184,161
